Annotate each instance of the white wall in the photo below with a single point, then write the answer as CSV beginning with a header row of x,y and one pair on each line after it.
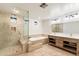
x,y
51,11
34,28
46,26
61,9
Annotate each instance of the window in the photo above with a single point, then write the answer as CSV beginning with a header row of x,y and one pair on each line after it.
x,y
57,27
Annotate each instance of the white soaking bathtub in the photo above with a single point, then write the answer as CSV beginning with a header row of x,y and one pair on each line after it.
x,y
37,38
37,42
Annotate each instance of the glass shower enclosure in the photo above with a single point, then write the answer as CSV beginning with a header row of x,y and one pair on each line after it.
x,y
26,29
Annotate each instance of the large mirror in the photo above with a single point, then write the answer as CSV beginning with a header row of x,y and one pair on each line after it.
x,y
71,27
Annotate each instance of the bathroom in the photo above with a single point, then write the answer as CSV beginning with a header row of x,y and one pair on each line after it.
x,y
30,29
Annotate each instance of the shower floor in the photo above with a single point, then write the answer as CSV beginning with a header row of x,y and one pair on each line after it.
x,y
48,50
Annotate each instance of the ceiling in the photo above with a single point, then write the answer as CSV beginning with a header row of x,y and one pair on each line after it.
x,y
35,11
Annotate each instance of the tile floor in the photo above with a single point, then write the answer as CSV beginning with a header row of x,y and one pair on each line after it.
x,y
48,50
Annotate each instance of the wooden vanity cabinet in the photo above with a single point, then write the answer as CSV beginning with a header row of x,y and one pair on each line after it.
x,y
52,40
69,44
59,42
77,49
56,41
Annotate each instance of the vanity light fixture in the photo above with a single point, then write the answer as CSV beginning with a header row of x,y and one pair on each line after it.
x,y
68,16
71,15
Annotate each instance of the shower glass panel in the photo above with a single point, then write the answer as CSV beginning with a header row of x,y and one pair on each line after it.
x,y
26,24
26,30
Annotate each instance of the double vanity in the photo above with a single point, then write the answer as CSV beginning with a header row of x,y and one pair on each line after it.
x,y
67,42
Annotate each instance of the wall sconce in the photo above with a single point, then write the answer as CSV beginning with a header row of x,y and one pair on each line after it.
x,y
35,22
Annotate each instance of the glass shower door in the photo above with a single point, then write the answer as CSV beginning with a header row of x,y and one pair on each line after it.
x,y
26,25
26,29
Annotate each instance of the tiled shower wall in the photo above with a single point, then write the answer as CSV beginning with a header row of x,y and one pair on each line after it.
x,y
9,38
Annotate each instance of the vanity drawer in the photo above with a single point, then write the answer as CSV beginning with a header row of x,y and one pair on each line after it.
x,y
71,40
59,43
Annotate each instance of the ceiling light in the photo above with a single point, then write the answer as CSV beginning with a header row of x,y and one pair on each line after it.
x,y
43,5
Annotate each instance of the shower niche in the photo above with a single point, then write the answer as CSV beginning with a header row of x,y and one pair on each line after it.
x,y
13,29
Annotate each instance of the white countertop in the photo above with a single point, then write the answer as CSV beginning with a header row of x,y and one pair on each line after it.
x,y
76,36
